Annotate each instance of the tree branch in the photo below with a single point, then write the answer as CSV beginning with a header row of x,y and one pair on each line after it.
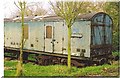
x,y
17,6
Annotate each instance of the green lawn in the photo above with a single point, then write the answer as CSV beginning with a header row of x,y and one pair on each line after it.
x,y
115,54
61,70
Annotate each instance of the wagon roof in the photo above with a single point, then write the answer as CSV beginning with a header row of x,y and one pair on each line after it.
x,y
87,16
8,19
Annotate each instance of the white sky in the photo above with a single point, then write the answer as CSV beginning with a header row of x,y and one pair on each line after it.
x,y
10,7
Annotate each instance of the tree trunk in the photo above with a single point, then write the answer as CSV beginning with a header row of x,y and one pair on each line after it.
x,y
69,47
20,62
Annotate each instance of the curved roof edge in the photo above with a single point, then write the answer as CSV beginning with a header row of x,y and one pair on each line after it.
x,y
89,16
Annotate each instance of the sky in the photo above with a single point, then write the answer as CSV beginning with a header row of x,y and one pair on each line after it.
x,y
10,7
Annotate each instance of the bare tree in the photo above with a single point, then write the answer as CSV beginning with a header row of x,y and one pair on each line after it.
x,y
21,7
69,12
95,7
31,9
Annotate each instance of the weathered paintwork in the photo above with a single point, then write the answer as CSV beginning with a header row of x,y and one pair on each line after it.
x,y
12,34
101,25
88,39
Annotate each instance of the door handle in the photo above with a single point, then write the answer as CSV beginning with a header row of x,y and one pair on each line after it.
x,y
53,40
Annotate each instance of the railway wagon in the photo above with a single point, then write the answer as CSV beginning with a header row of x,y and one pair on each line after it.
x,y
91,38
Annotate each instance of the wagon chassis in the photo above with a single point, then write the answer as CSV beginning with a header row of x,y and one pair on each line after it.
x,y
46,58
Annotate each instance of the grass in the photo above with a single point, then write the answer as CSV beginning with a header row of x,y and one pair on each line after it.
x,y
115,54
61,70
11,63
9,68
31,57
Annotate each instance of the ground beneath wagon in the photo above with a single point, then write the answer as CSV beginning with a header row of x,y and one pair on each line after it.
x,y
31,69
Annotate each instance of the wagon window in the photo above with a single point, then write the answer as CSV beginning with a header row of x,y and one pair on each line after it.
x,y
48,31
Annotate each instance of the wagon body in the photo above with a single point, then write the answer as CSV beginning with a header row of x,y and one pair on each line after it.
x,y
91,35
